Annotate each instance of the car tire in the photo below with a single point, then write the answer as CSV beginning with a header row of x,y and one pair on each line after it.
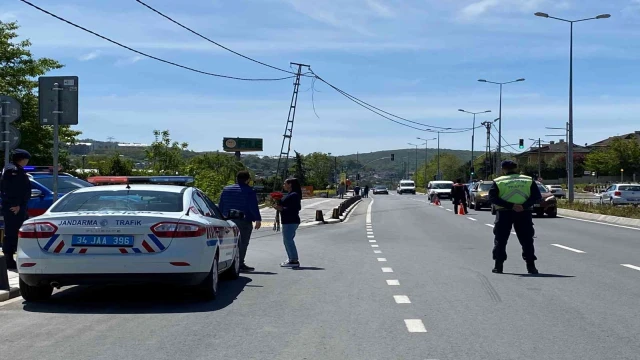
x,y
476,206
233,272
552,213
209,286
37,293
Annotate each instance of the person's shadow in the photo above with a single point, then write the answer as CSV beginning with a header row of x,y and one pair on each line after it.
x,y
145,299
540,275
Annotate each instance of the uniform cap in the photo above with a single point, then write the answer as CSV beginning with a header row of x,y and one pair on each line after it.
x,y
21,154
509,164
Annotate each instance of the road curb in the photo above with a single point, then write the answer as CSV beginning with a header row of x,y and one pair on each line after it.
x,y
333,221
8,295
617,220
348,211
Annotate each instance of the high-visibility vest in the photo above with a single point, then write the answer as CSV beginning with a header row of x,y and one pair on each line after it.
x,y
514,188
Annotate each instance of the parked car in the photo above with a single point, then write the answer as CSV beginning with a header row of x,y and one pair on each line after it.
x,y
621,194
380,190
557,191
479,195
547,205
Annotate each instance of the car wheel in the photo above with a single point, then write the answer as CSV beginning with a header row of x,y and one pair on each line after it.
x,y
35,293
476,206
611,202
209,286
233,272
553,213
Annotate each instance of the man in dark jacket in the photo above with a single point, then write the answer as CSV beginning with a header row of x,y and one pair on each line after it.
x,y
459,195
513,195
15,190
242,197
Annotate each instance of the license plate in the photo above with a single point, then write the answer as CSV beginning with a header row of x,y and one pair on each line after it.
x,y
102,240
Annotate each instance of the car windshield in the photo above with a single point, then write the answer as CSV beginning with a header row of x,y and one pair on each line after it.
x,y
484,187
65,183
441,186
407,183
380,187
629,187
120,200
542,189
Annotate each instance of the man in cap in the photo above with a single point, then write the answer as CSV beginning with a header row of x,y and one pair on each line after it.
x,y
15,191
513,195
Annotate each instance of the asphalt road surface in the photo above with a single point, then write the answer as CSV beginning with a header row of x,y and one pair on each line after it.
x,y
415,284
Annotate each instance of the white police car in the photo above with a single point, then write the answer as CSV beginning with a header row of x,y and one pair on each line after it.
x,y
132,233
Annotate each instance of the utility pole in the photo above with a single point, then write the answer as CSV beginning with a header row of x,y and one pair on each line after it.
x,y
288,129
487,152
539,141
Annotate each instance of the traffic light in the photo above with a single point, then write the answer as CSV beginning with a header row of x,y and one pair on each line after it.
x,y
521,143
357,176
392,157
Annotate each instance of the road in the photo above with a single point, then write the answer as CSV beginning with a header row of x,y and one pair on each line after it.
x,y
308,212
415,284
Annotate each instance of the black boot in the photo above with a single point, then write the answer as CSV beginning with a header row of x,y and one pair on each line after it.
x,y
11,263
531,267
498,267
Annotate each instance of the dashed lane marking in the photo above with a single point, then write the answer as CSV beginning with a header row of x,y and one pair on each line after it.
x,y
449,210
370,236
372,241
374,246
387,270
441,207
377,251
382,259
369,232
568,248
393,282
631,266
415,325
401,299
490,225
472,219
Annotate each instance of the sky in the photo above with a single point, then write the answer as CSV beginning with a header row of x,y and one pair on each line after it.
x,y
418,59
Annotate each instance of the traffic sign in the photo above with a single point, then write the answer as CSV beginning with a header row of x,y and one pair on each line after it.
x,y
13,137
11,109
62,102
241,144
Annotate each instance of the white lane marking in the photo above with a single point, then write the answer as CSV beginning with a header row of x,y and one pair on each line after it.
x,y
490,225
393,282
369,212
415,325
374,246
602,223
377,251
440,206
372,241
389,270
19,298
369,232
401,299
314,204
370,236
472,219
382,259
568,248
513,233
449,210
631,266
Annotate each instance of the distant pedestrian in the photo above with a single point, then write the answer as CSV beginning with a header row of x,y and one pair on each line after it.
x,y
15,191
513,195
289,208
341,190
356,190
366,191
242,197
459,195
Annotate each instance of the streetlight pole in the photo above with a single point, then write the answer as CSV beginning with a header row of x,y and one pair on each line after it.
x,y
416,171
473,135
570,137
426,157
499,154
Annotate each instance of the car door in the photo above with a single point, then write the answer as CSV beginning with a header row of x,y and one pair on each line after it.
x,y
221,229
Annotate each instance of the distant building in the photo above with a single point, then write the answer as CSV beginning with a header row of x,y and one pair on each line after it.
x,y
606,142
548,152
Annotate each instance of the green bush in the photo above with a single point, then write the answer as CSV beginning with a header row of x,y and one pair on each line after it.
x,y
595,208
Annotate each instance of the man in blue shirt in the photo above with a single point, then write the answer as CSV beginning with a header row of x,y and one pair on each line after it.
x,y
242,197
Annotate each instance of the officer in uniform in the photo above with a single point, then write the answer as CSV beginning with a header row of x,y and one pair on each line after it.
x,y
513,195
15,190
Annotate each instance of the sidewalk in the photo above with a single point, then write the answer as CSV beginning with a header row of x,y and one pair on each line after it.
x,y
308,212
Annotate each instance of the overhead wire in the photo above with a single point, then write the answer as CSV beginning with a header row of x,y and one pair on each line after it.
x,y
148,55
212,41
503,139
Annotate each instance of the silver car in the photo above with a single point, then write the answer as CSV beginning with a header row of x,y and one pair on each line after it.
x,y
621,194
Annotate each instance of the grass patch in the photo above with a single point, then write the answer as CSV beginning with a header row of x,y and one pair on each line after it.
x,y
595,208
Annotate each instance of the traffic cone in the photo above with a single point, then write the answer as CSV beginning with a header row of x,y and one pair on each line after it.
x,y
436,200
461,210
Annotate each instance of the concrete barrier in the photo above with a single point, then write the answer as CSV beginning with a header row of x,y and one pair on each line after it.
x,y
4,277
319,215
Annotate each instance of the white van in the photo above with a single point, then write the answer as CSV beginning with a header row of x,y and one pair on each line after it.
x,y
406,186
442,188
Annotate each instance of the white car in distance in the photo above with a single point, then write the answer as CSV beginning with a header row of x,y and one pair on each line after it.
x,y
557,191
128,234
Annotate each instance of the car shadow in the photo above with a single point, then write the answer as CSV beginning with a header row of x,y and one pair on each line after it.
x,y
137,299
261,273
541,275
308,268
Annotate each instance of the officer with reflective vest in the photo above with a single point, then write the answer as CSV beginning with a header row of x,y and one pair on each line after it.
x,y
15,191
513,196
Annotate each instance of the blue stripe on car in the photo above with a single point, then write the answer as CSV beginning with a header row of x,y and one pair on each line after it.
x,y
156,241
50,242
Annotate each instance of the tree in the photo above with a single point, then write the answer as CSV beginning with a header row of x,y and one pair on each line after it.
x,y
298,170
116,165
166,156
319,169
18,79
450,167
620,154
213,171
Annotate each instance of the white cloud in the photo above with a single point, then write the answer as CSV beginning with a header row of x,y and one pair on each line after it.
x,y
128,61
483,7
90,56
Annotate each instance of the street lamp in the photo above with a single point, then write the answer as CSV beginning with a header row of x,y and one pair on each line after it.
x,y
499,157
426,157
416,171
539,141
570,137
473,134
438,131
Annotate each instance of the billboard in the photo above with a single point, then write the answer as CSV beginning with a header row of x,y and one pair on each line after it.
x,y
241,144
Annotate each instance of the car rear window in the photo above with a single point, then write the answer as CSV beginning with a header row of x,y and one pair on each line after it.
x,y
629,188
65,183
120,200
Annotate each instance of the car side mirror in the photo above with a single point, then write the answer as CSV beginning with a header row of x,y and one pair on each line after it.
x,y
235,215
35,193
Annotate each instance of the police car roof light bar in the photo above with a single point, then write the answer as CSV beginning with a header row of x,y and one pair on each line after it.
x,y
177,180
